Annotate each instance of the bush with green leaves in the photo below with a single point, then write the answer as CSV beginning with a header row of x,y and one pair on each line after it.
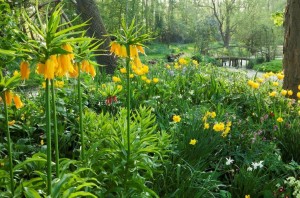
x,y
107,151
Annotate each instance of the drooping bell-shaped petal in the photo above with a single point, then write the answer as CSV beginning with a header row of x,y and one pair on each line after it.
x,y
18,102
25,70
49,69
8,97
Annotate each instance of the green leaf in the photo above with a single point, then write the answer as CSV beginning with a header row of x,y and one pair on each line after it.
x,y
18,166
7,52
31,193
82,193
62,32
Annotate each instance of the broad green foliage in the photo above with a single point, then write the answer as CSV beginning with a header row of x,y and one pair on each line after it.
x,y
107,151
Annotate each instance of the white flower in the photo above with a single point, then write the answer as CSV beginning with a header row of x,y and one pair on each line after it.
x,y
191,92
229,161
249,168
257,165
180,96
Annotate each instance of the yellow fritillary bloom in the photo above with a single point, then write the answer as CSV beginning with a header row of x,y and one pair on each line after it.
x,y
247,196
193,141
18,102
298,94
290,92
25,70
275,84
8,97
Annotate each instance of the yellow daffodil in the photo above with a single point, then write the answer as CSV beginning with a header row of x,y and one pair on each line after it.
x,y
298,94
116,79
260,80
123,70
119,87
219,127
155,80
275,84
59,84
280,76
290,92
182,61
10,123
195,62
213,114
206,125
176,118
273,94
255,85
283,92
247,196
280,119
193,141
250,82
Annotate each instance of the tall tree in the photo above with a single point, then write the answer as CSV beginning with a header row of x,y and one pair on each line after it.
x,y
89,11
291,50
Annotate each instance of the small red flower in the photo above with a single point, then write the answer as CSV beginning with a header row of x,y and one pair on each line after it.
x,y
110,100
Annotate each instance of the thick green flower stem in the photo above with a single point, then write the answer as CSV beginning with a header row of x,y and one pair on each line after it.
x,y
82,157
55,129
9,146
128,100
128,113
48,135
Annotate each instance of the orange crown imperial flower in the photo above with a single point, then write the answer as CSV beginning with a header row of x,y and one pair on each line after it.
x,y
18,102
8,97
25,70
49,69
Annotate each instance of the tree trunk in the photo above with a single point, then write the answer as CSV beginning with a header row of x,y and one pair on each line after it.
x,y
89,11
291,50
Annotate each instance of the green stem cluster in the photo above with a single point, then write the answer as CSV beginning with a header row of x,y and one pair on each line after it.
x,y
9,146
80,114
55,129
48,136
